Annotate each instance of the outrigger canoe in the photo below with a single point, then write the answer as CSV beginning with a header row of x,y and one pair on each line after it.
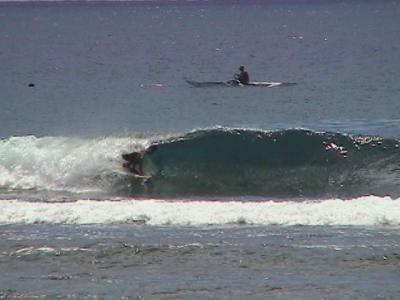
x,y
235,83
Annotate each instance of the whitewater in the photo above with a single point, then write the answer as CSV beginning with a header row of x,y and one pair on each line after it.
x,y
364,211
59,163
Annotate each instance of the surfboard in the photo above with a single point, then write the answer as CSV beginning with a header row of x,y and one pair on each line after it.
x,y
117,167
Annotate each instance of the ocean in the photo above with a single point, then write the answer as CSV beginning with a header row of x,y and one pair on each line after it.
x,y
285,192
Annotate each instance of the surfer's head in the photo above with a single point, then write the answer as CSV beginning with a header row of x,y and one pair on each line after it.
x,y
151,149
241,68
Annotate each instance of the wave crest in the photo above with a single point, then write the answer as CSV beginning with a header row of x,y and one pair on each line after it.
x,y
209,162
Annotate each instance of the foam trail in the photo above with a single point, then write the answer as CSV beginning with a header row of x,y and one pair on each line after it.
x,y
363,211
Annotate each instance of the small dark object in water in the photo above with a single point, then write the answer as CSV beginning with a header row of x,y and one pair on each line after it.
x,y
31,85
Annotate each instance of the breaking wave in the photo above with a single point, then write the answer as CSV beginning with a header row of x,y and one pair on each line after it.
x,y
209,162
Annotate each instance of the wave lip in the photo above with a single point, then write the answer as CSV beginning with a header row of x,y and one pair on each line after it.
x,y
363,211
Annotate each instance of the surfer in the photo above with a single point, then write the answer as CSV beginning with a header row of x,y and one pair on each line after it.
x,y
134,161
243,76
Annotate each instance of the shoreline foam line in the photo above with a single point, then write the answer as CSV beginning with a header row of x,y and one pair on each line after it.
x,y
362,211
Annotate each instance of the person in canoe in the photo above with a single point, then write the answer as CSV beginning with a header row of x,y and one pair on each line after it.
x,y
242,77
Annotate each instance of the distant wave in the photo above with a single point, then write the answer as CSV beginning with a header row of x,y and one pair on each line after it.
x,y
206,163
363,211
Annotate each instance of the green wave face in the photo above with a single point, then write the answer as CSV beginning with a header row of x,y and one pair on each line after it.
x,y
293,163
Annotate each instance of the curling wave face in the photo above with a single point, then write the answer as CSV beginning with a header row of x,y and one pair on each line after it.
x,y
209,162
281,163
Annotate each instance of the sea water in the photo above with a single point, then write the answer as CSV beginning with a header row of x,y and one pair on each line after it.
x,y
289,192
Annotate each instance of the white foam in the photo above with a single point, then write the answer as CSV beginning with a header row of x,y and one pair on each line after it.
x,y
44,249
363,211
60,163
